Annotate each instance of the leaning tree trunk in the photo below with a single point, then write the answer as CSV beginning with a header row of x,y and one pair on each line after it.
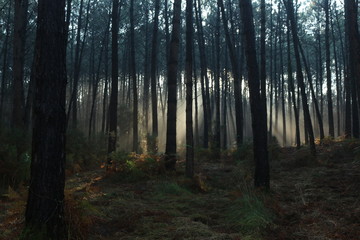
x,y
44,215
300,76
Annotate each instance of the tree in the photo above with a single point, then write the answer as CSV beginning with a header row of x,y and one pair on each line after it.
x,y
258,110
299,74
20,22
189,90
328,69
113,105
133,77
170,150
44,215
154,102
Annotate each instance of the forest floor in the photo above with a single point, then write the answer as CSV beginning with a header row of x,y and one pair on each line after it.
x,y
309,199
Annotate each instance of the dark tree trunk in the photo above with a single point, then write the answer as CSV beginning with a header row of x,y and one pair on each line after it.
x,y
170,150
133,78
217,136
20,22
146,84
45,206
317,109
113,105
189,171
203,76
79,48
97,80
262,177
300,76
328,69
354,60
292,89
236,71
5,64
154,102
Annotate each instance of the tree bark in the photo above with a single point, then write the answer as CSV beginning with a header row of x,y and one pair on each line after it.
x,y
20,23
189,170
45,206
113,105
258,112
170,151
154,101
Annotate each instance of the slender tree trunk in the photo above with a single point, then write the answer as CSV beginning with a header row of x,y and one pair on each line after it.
x,y
113,105
44,217
20,22
300,76
97,80
328,69
317,109
133,78
236,71
217,136
154,101
189,171
204,77
146,71
170,150
292,89
5,63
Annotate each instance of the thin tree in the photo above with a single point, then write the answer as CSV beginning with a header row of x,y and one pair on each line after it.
x,y
44,215
20,23
189,90
133,78
300,77
328,69
113,105
154,102
170,151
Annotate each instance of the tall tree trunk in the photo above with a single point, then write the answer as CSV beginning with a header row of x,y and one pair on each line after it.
x,y
300,76
292,88
79,48
154,102
328,69
44,217
204,77
133,78
354,60
170,151
217,136
20,22
5,63
97,79
317,109
262,177
189,91
146,71
113,105
236,71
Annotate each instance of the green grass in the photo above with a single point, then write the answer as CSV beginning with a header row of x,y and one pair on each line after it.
x,y
248,214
